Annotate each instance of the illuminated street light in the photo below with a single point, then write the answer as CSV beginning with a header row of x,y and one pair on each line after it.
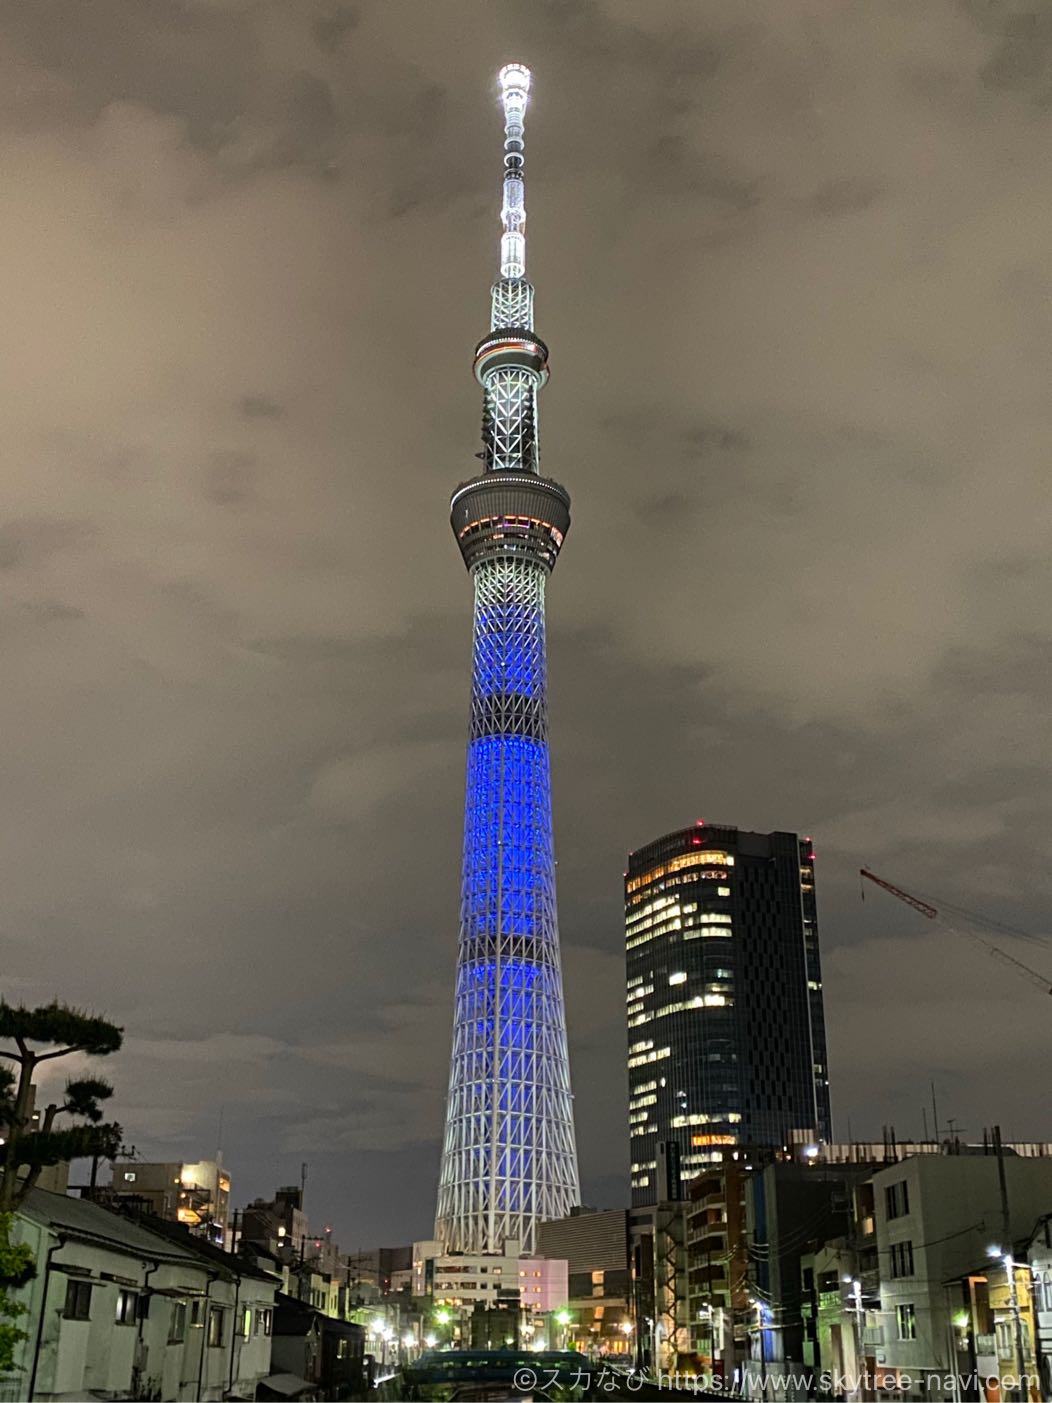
x,y
1017,1315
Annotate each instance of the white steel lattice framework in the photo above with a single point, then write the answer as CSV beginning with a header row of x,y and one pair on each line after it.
x,y
509,1158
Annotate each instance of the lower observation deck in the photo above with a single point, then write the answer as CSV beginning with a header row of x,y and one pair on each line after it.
x,y
506,515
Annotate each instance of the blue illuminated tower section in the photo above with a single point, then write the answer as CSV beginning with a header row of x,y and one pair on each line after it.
x,y
509,1159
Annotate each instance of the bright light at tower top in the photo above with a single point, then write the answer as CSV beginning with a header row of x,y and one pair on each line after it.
x,y
514,83
514,91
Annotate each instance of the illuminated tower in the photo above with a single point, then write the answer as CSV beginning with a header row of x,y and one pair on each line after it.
x,y
509,1159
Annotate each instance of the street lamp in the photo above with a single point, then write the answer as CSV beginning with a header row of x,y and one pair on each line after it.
x,y
386,1336
626,1327
443,1318
563,1318
856,1310
1017,1315
430,1341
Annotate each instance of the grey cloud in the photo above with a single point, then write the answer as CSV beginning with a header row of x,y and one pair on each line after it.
x,y
193,61
331,28
706,438
31,541
844,195
231,478
804,587
53,611
259,407
1021,60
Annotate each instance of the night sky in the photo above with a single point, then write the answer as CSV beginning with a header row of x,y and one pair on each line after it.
x,y
792,260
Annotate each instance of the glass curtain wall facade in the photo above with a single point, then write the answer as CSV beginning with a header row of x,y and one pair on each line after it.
x,y
726,1029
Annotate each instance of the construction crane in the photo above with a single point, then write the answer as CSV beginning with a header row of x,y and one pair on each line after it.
x,y
959,928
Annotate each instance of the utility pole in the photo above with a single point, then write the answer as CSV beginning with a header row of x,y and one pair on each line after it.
x,y
860,1362
763,1351
1009,1262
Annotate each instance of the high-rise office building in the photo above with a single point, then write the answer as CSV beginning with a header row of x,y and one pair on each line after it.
x,y
726,1031
509,1158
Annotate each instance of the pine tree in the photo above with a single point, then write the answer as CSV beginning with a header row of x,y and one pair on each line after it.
x,y
61,1031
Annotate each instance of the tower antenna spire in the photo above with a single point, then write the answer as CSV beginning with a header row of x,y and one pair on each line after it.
x,y
514,93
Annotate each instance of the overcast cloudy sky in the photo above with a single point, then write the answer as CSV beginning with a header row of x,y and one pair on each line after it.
x,y
793,262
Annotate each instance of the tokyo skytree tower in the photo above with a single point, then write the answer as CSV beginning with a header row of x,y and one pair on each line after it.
x,y
509,1160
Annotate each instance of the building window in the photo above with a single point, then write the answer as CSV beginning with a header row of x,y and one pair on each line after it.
x,y
902,1259
906,1319
78,1301
177,1323
897,1200
342,1349
264,1321
216,1324
129,1176
127,1307
246,1322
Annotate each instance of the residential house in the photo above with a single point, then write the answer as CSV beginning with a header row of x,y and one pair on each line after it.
x,y
119,1310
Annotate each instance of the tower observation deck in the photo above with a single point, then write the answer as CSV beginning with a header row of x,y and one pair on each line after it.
x,y
509,1158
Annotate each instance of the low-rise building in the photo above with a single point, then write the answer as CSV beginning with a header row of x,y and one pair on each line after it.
x,y
936,1217
486,1278
195,1194
658,1245
122,1311
386,1269
717,1267
324,1351
279,1225
1039,1257
456,1283
595,1247
791,1207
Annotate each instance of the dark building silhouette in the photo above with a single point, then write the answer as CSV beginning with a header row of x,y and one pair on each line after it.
x,y
595,1246
726,1031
